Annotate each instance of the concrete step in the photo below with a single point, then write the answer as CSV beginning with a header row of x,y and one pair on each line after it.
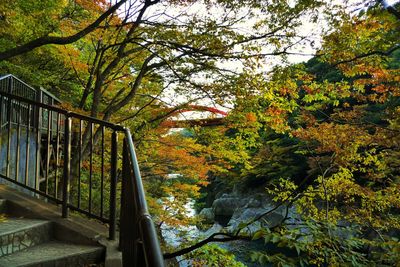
x,y
48,241
17,234
54,254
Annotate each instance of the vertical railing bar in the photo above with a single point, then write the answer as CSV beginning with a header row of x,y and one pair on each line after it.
x,y
9,137
38,124
91,167
9,107
57,156
79,163
102,174
67,165
1,110
1,123
10,85
27,144
17,152
51,121
113,185
48,151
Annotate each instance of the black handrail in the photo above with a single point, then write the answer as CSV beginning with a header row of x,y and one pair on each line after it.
x,y
76,146
143,227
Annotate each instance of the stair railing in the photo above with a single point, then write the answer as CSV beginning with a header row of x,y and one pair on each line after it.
x,y
75,161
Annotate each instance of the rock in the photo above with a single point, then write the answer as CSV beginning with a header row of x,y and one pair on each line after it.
x,y
227,206
208,215
214,229
235,208
225,195
246,214
273,219
253,203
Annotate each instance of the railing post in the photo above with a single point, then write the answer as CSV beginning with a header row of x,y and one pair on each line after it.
x,y
128,223
113,185
67,165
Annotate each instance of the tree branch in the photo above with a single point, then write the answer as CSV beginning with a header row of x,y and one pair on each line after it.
x,y
45,40
212,238
372,53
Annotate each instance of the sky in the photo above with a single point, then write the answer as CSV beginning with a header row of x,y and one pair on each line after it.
x,y
390,2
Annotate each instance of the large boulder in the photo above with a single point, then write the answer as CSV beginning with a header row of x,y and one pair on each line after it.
x,y
235,208
247,215
208,215
227,206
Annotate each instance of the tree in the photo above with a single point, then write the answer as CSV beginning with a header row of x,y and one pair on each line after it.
x,y
348,132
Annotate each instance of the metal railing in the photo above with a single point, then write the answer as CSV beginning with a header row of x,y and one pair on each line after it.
x,y
75,161
14,86
11,84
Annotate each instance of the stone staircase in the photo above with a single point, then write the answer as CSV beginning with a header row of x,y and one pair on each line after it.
x,y
33,242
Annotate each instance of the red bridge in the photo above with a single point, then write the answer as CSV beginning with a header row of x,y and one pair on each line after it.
x,y
169,123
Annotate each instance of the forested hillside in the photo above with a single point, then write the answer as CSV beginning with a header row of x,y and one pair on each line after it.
x,y
320,138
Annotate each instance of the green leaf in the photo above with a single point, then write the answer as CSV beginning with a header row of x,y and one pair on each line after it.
x,y
258,234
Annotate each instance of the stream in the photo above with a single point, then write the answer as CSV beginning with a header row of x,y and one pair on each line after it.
x,y
239,248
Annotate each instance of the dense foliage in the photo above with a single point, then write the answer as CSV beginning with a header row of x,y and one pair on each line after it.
x,y
321,136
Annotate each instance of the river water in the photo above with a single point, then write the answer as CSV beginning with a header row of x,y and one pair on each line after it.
x,y
240,249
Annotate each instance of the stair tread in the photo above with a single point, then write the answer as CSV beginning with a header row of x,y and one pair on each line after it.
x,y
46,252
13,225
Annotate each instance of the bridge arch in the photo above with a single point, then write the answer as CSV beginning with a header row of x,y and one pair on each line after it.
x,y
171,123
